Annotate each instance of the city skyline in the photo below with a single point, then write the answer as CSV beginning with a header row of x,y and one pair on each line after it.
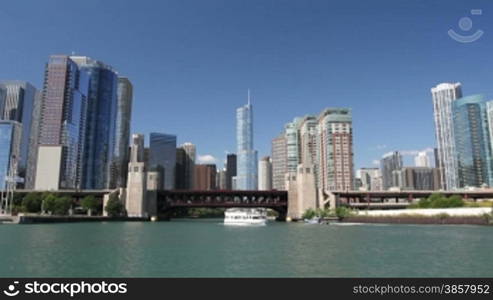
x,y
312,71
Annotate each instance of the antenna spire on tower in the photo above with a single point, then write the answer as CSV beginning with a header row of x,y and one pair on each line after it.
x,y
248,96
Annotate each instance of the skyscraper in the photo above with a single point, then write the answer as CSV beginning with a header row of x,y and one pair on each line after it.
x,y
246,178
185,166
119,165
180,169
100,133
444,95
472,142
336,149
19,105
389,163
308,144
205,177
62,125
162,157
265,174
189,167
221,179
279,162
293,157
230,170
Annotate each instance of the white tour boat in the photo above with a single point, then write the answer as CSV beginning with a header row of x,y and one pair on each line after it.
x,y
245,216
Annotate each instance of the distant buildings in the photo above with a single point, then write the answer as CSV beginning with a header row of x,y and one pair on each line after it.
x,y
162,157
443,96
417,178
279,163
389,163
205,177
246,177
422,160
265,174
371,179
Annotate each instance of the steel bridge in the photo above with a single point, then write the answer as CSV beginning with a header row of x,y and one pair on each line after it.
x,y
169,200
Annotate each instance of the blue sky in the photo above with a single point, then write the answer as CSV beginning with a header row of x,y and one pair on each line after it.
x,y
191,62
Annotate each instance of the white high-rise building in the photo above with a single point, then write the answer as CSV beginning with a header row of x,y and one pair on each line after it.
x,y
279,162
443,96
422,160
265,174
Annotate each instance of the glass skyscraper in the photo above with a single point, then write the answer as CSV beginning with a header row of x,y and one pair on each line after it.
x,y
119,165
231,167
162,157
472,142
10,141
18,105
246,177
101,116
293,145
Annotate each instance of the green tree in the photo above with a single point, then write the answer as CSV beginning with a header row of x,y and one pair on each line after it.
x,y
343,212
455,201
438,200
114,206
90,203
62,205
309,214
49,202
31,203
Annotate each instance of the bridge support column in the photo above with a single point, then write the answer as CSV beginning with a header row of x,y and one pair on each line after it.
x,y
302,191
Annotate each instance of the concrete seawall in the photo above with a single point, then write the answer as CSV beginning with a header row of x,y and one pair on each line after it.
x,y
466,220
75,219
459,212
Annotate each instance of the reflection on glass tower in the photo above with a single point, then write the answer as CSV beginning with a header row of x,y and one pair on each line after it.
x,y
246,177
162,157
101,115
